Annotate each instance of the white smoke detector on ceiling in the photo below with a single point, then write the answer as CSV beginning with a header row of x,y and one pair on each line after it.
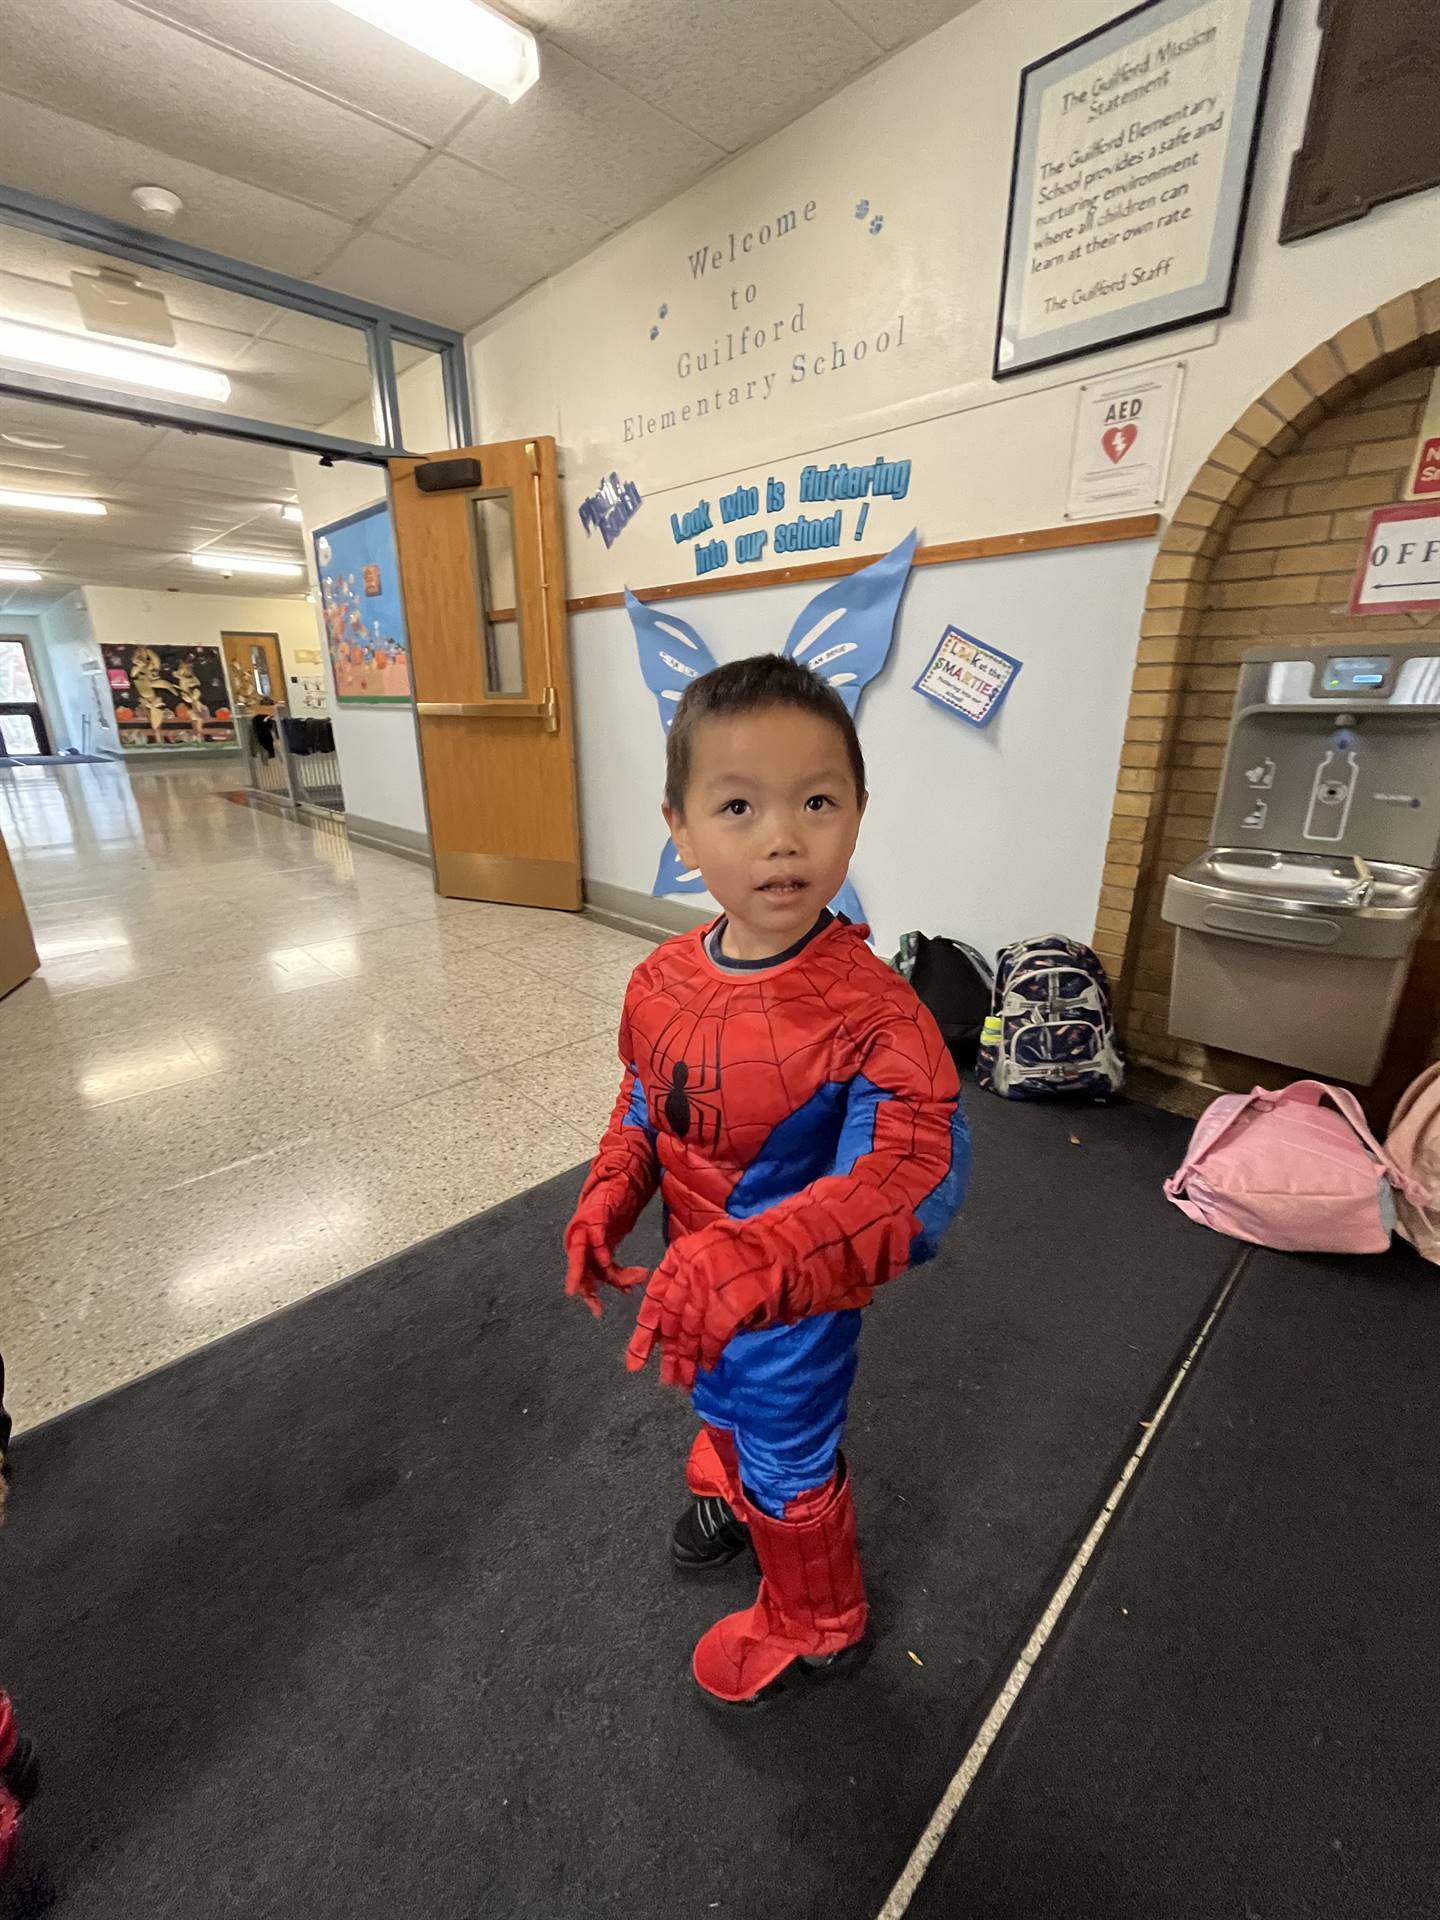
x,y
159,205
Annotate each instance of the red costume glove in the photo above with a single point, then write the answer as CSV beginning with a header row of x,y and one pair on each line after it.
x,y
590,1261
703,1293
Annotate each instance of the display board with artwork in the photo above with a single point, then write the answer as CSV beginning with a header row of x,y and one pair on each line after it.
x,y
364,614
169,696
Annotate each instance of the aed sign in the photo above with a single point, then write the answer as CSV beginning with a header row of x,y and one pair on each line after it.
x,y
1120,455
1400,567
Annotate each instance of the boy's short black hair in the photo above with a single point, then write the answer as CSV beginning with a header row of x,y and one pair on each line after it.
x,y
747,686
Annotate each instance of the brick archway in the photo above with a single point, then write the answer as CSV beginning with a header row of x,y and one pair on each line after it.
x,y
1397,337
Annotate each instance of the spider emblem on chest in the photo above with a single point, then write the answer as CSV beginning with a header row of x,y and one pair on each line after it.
x,y
685,1085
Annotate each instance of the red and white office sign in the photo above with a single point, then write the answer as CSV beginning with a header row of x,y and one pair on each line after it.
x,y
1425,474
1124,426
1400,567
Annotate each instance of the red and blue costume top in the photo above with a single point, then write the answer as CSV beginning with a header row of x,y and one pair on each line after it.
x,y
801,1122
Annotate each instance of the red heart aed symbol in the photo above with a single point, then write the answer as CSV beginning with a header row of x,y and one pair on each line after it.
x,y
1117,441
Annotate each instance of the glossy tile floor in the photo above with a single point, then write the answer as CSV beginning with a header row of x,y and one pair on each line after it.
x,y
257,1058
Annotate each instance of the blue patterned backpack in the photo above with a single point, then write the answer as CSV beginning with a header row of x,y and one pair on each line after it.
x,y
1050,1030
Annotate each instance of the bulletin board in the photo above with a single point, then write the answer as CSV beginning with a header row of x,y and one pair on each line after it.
x,y
364,614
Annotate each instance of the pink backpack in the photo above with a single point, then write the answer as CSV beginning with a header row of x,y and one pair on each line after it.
x,y
1298,1170
1413,1144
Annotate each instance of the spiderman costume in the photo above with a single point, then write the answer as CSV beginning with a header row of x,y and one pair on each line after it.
x,y
801,1121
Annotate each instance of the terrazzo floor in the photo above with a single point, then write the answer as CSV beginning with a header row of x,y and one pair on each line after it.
x,y
257,1058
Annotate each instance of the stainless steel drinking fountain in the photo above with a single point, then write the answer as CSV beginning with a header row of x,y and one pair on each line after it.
x,y
1294,929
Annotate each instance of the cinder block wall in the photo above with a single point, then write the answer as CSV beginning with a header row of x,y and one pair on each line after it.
x,y
1283,574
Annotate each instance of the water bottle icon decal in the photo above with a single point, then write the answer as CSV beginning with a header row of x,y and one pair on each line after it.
x,y
1330,796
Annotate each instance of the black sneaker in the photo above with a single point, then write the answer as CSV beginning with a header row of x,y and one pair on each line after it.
x,y
708,1536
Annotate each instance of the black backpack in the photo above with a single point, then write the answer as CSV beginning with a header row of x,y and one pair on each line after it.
x,y
955,983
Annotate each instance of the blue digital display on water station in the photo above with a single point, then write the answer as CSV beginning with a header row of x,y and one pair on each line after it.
x,y
1356,673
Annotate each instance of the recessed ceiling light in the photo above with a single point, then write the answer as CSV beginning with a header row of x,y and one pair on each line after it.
x,y
462,34
34,441
51,502
291,513
103,362
242,563
20,573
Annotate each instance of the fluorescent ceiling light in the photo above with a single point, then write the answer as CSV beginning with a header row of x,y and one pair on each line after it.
x,y
462,34
35,442
106,363
242,563
20,573
51,502
291,513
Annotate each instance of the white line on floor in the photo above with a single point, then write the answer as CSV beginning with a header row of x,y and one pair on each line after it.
x,y
926,1847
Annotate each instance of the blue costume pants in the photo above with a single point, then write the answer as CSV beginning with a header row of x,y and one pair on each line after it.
x,y
783,1392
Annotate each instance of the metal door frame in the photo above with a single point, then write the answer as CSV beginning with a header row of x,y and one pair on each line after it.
x,y
382,327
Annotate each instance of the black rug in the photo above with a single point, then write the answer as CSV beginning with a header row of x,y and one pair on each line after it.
x,y
366,1610
1239,1716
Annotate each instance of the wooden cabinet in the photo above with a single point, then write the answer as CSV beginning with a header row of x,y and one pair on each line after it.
x,y
18,959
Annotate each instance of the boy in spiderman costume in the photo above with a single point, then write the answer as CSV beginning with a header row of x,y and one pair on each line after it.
x,y
798,1110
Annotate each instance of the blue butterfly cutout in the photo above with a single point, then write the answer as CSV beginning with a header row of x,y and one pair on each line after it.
x,y
844,634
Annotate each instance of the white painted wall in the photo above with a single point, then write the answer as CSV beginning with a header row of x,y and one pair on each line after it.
x,y
927,138
377,748
992,835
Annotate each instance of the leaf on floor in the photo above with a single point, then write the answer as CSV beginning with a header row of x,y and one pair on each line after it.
x,y
915,1657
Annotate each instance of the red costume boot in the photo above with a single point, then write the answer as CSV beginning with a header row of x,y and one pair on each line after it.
x,y
713,1469
810,1616
19,1772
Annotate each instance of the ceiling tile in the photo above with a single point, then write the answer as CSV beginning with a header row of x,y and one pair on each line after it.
x,y
732,73
375,267
336,53
579,137
481,221
895,23
100,63
47,153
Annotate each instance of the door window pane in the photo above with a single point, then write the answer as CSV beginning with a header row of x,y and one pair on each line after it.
x,y
420,386
15,681
17,731
493,537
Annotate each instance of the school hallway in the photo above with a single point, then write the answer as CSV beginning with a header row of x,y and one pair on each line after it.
x,y
931,507
370,1599
258,1057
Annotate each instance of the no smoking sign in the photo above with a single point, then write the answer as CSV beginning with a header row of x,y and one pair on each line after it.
x,y
1123,429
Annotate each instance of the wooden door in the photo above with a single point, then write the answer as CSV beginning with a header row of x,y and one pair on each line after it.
x,y
478,534
257,674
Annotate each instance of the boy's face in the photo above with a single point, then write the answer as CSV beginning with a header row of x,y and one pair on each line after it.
x,y
771,817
